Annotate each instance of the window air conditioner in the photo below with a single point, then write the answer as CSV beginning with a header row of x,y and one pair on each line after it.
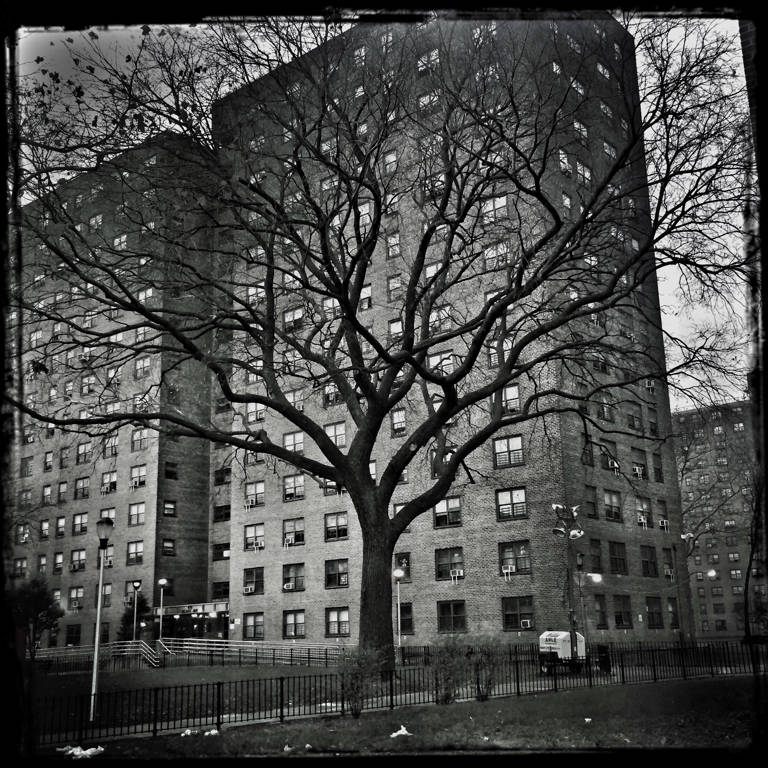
x,y
669,572
107,562
249,590
250,502
134,484
456,573
288,541
508,568
104,490
250,546
525,623
288,585
74,603
642,520
664,525
74,566
638,472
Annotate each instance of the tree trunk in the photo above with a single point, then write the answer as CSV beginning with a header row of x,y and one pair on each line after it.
x,y
376,609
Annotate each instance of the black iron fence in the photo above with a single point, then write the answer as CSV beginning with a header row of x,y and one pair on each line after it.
x,y
475,673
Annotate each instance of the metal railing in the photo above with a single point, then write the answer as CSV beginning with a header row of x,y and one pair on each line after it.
x,y
507,671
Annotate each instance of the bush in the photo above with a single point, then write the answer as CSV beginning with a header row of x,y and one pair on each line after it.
x,y
360,671
452,667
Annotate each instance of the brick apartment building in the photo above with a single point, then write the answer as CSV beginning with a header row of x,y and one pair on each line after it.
x,y
716,466
282,552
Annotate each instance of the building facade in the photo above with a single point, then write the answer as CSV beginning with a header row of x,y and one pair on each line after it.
x,y
718,476
257,550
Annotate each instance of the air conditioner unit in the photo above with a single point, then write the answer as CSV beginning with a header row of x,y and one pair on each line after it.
x,y
638,472
525,623
613,464
104,490
343,579
134,484
74,603
642,520
456,573
249,590
74,566
107,562
669,572
664,525
508,568
289,540
250,502
288,585
250,546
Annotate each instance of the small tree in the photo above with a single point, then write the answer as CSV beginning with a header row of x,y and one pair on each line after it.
x,y
126,621
360,671
34,611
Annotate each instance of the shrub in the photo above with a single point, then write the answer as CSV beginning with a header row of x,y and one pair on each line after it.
x,y
360,671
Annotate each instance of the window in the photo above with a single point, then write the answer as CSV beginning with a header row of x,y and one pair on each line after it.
x,y
510,399
393,245
366,302
735,574
82,488
583,172
293,532
336,573
617,552
493,210
294,441
110,447
139,439
253,626
221,551
136,514
654,612
612,506
511,503
507,451
394,287
447,512
44,530
595,555
141,368
293,624
331,395
335,526
47,496
135,553
496,255
397,417
169,547
648,561
138,476
293,577
254,493
517,613
622,611
451,616
293,319
61,526
222,476
514,557
293,487
84,453
58,562
565,163
80,524
402,560
253,581
337,433
337,622
449,563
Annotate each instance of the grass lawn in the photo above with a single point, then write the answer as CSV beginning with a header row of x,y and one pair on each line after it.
x,y
715,713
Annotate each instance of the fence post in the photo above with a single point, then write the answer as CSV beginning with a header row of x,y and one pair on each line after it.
x,y
653,663
282,698
391,688
517,672
218,705
588,662
155,694
554,676
621,666
682,661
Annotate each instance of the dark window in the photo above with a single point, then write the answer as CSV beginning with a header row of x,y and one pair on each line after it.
x,y
622,611
655,616
447,513
406,619
618,557
335,526
336,573
517,612
648,561
171,470
220,590
221,551
451,616
221,512
222,476
449,563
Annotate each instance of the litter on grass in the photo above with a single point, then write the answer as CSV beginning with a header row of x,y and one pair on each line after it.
x,y
401,732
587,719
188,732
212,732
78,752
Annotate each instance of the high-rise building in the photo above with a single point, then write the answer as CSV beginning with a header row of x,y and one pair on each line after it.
x,y
276,554
718,481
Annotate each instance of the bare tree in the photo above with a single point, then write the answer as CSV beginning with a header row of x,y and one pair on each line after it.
x,y
260,219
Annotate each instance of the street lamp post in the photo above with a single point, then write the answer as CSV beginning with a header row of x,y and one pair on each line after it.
x,y
568,529
162,584
136,587
103,529
398,573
